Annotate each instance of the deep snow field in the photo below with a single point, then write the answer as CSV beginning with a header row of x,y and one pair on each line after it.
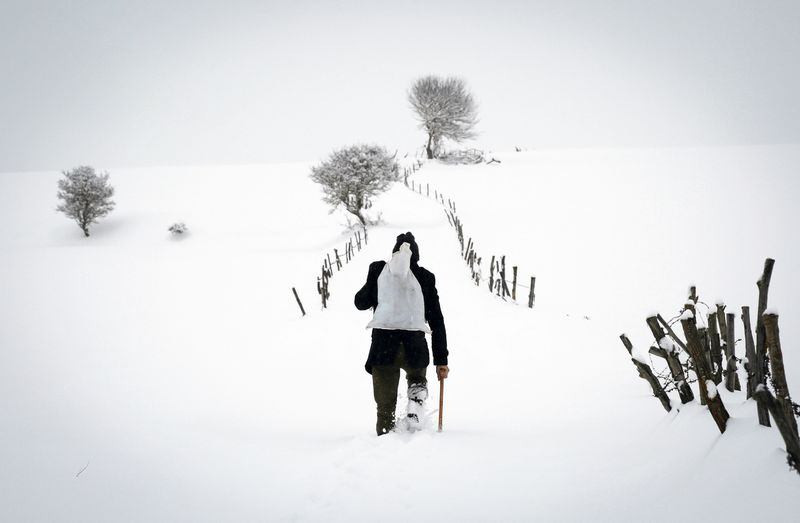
x,y
182,373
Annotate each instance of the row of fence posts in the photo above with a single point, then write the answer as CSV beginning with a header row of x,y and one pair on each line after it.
x,y
353,244
710,351
497,281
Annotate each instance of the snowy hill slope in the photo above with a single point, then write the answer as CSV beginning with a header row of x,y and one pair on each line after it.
x,y
183,375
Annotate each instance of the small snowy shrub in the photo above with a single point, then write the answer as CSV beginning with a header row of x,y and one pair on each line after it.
x,y
177,228
462,157
86,196
352,175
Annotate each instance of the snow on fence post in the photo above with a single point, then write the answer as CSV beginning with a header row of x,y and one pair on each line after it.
x,y
531,294
750,351
708,389
669,352
732,379
761,365
296,297
514,284
647,374
782,396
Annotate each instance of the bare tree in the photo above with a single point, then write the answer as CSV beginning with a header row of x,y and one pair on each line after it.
x,y
444,108
352,175
86,196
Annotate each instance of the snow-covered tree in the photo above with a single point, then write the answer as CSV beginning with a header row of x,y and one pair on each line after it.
x,y
352,175
86,196
445,109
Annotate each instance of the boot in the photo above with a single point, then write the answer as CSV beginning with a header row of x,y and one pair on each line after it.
x,y
417,394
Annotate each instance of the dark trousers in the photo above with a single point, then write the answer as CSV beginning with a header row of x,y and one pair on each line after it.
x,y
385,379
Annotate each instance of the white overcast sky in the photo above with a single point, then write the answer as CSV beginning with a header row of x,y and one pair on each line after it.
x,y
126,83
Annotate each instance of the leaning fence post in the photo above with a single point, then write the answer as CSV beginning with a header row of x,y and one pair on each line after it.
x,y
782,395
647,374
670,353
296,297
765,397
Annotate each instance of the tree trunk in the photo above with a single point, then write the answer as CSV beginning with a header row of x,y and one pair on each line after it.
x,y
360,216
428,148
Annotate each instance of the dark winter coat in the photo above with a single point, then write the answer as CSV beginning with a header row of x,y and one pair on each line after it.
x,y
385,343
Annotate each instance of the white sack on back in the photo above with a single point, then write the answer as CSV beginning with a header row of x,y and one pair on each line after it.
x,y
400,302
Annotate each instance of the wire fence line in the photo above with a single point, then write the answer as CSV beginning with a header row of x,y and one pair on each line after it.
x,y
498,281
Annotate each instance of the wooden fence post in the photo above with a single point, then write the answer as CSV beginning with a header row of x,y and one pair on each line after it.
x,y
749,352
506,292
531,295
647,374
338,261
670,354
782,395
296,297
764,396
732,379
514,284
708,389
715,348
761,365
491,275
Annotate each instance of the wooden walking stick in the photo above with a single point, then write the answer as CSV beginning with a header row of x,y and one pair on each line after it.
x,y
441,401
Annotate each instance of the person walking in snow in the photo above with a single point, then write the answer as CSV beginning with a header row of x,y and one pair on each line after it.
x,y
405,306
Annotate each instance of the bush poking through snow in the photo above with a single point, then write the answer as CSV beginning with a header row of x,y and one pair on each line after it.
x,y
352,175
177,228
462,157
445,109
86,196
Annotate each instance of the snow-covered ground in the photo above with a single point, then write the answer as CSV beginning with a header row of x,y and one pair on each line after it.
x,y
182,373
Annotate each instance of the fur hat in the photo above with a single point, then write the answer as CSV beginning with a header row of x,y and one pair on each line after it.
x,y
408,238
